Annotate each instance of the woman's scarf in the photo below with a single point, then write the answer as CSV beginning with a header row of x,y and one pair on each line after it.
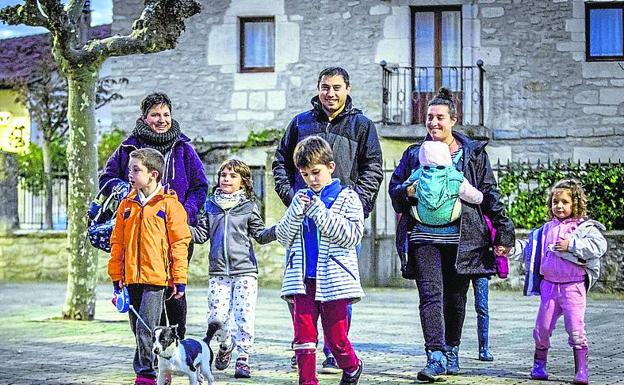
x,y
158,141
227,201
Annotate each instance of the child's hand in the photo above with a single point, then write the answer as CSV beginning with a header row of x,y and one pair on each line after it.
x,y
177,291
562,244
305,199
501,251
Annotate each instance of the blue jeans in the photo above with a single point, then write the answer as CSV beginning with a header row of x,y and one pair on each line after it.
x,y
481,294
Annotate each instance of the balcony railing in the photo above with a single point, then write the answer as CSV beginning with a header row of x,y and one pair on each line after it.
x,y
407,90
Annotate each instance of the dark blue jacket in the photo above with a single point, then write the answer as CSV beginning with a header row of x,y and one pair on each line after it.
x,y
353,139
474,251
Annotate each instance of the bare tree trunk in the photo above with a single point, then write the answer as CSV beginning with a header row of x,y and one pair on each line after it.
x,y
47,174
82,166
157,29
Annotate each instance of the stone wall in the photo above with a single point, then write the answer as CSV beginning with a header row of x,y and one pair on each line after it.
x,y
215,102
541,89
611,275
541,98
42,256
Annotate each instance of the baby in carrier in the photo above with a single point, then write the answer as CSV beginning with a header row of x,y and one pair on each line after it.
x,y
439,186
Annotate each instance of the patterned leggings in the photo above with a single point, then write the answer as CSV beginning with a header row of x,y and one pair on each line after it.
x,y
234,297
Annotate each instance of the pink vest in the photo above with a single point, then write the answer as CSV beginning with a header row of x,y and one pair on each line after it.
x,y
553,267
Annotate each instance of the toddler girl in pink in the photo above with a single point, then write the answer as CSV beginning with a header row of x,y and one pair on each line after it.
x,y
562,260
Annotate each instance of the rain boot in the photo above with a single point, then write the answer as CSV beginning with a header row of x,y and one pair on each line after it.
x,y
581,376
483,317
539,371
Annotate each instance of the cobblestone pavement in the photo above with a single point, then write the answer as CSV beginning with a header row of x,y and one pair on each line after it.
x,y
37,348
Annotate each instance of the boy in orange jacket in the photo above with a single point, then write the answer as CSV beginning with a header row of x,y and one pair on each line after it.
x,y
149,246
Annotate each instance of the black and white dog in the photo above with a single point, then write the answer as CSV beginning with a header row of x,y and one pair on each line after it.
x,y
191,356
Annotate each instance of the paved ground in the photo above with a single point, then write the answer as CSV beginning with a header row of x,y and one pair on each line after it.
x,y
36,348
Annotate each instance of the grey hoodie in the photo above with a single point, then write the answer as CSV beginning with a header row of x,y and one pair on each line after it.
x,y
230,232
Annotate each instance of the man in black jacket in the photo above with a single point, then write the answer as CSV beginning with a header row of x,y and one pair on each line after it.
x,y
353,140
351,135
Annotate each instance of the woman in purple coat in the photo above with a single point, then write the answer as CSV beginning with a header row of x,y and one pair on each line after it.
x,y
184,171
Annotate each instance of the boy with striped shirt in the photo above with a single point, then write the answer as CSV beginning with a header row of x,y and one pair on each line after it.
x,y
321,229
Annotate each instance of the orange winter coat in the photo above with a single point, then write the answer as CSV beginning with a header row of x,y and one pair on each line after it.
x,y
149,244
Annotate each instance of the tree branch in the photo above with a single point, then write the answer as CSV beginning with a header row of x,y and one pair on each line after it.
x,y
27,13
62,29
158,29
74,8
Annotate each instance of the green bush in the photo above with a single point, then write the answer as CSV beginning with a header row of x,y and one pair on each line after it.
x,y
108,143
525,187
30,165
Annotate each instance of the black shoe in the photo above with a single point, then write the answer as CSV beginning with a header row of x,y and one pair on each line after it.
x,y
330,366
354,378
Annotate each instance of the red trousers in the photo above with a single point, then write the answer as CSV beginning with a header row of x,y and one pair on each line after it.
x,y
335,321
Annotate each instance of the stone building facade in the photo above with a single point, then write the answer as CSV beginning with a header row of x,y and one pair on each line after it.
x,y
541,97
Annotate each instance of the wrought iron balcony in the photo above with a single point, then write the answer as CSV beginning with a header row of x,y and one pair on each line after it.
x,y
406,91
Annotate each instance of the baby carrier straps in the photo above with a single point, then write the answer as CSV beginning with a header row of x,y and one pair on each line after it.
x,y
438,195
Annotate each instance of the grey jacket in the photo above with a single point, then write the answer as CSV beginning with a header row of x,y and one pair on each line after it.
x,y
230,231
587,245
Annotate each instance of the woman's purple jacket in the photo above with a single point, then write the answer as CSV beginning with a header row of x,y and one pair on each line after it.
x,y
184,172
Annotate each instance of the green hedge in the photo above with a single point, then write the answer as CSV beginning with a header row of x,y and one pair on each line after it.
x,y
525,190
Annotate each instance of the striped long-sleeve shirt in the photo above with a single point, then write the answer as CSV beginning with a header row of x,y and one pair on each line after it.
x,y
341,228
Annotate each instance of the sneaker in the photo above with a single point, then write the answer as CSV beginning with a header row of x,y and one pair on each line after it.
x,y
223,357
330,366
242,368
352,379
452,360
293,362
436,365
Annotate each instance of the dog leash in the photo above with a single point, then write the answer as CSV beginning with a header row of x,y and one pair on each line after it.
x,y
140,319
165,309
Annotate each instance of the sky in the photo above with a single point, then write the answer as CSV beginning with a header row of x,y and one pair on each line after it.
x,y
102,13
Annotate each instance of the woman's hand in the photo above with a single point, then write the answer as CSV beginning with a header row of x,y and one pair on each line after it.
x,y
411,190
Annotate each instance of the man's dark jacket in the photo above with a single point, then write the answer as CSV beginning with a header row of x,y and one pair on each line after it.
x,y
474,251
353,139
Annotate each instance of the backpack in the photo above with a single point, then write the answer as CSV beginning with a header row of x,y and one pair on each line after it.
x,y
102,211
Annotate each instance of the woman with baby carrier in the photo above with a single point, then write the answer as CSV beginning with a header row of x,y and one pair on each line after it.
x,y
184,172
443,256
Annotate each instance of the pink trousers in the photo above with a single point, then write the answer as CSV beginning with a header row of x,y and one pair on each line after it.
x,y
335,320
567,299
